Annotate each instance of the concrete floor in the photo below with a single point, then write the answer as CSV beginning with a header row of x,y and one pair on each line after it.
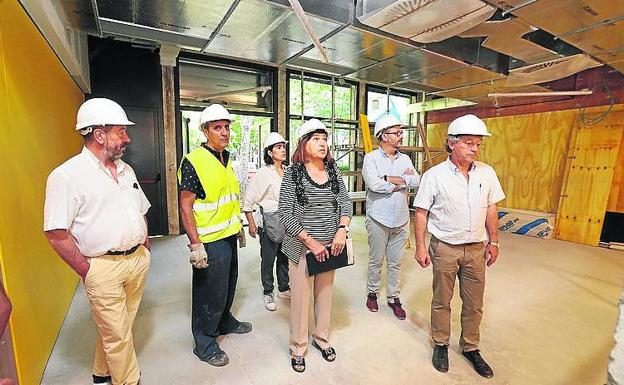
x,y
550,313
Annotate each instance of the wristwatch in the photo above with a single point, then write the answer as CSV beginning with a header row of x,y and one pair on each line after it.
x,y
494,244
385,177
344,227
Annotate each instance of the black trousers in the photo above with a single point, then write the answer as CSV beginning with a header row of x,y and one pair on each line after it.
x,y
269,252
213,295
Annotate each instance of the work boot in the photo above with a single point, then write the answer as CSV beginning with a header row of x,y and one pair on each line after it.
x,y
440,358
371,302
395,305
242,328
219,359
479,364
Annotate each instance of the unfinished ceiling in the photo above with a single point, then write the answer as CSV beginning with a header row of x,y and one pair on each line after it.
x,y
380,41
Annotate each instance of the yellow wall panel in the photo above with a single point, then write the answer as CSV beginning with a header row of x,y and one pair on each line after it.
x,y
38,103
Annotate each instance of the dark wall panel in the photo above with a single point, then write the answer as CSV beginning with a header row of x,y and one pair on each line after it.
x,y
131,75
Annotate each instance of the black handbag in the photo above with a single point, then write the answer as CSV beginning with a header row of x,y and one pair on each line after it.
x,y
272,225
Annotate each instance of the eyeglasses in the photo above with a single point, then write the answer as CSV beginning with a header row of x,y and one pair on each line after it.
x,y
397,133
470,144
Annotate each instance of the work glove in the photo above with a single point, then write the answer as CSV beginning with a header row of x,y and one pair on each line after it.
x,y
242,241
198,256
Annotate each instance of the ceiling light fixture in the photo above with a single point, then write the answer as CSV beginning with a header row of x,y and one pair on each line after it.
x,y
545,93
262,89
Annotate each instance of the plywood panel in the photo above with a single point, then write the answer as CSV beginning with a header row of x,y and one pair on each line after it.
x,y
616,196
585,196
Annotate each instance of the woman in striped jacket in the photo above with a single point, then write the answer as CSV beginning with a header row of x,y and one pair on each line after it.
x,y
316,211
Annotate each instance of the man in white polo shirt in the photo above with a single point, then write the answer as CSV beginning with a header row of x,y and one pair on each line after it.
x,y
388,175
456,202
94,218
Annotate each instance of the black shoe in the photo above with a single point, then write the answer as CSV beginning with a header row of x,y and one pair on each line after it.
x,y
480,366
440,358
242,328
102,379
219,359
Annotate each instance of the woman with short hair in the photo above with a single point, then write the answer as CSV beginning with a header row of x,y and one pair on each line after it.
x,y
316,211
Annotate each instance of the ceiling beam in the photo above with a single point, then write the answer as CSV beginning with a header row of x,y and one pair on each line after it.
x,y
221,24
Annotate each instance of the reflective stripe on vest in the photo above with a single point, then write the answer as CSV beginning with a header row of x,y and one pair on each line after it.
x,y
218,227
199,206
218,215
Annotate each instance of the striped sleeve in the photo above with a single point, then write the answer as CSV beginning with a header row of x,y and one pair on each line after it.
x,y
286,207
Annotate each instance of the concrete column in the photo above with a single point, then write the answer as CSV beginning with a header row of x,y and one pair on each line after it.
x,y
168,55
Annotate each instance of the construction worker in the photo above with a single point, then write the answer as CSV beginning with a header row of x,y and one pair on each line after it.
x,y
456,202
94,218
388,175
209,202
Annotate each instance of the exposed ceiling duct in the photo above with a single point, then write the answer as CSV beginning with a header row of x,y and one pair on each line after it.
x,y
505,36
551,70
425,21
474,57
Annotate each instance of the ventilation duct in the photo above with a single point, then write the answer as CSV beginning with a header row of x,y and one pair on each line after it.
x,y
551,70
426,21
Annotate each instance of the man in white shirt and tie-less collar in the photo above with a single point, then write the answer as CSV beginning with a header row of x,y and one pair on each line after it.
x,y
94,218
388,175
456,202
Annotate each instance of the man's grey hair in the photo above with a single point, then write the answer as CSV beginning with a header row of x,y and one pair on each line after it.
x,y
452,139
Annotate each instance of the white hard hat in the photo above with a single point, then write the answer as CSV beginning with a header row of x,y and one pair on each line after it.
x,y
311,126
100,112
468,125
274,138
385,121
214,112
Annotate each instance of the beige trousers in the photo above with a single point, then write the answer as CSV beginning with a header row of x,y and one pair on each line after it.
x,y
467,262
114,287
301,286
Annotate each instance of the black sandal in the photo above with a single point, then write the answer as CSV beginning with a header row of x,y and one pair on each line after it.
x,y
328,354
298,364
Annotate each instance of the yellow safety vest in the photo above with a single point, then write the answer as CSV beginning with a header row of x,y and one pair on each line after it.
x,y
218,215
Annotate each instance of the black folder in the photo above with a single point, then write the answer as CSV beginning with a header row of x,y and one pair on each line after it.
x,y
332,263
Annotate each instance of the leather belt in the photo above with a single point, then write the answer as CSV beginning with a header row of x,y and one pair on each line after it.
x,y
126,252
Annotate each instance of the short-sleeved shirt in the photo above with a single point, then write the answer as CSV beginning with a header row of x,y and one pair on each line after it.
x,y
190,179
100,213
458,206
